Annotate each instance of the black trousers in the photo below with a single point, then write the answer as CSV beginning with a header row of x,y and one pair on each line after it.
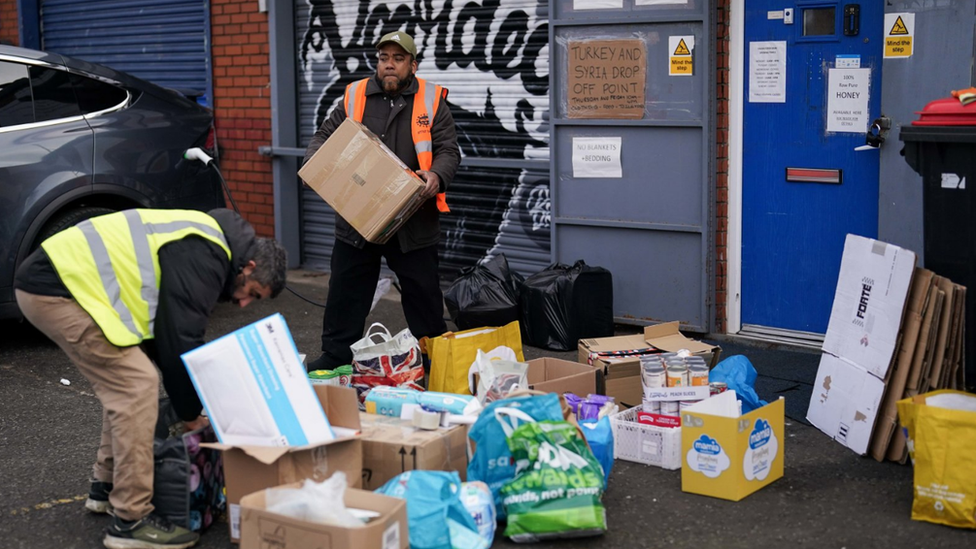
x,y
352,285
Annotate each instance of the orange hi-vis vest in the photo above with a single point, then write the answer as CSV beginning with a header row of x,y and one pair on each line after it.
x,y
425,104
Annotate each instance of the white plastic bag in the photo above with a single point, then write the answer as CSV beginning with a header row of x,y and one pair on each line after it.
x,y
320,502
499,373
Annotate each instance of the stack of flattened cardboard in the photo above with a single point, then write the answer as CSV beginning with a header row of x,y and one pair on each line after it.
x,y
928,357
895,331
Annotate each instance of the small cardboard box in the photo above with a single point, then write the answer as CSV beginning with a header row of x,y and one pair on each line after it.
x,y
364,182
619,357
553,375
262,529
729,456
392,446
248,469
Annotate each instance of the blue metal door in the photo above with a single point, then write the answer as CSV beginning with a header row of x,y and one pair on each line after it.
x,y
804,187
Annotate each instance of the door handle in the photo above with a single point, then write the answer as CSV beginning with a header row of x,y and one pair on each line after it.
x,y
878,131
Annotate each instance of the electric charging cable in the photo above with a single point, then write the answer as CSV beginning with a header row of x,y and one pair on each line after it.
x,y
197,154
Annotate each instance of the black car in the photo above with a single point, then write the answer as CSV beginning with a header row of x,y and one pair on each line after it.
x,y
79,140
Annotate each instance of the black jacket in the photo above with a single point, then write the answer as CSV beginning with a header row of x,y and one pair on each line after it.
x,y
194,275
389,118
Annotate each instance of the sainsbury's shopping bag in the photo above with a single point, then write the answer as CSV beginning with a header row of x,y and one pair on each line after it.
x,y
188,481
941,431
452,354
380,358
492,460
557,487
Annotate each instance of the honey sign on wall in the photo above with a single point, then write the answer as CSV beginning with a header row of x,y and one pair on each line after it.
x,y
606,79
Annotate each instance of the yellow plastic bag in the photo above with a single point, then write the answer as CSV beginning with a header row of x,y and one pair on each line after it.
x,y
941,431
452,354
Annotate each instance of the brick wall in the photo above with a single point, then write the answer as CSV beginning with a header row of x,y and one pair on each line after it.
x,y
721,165
242,105
9,33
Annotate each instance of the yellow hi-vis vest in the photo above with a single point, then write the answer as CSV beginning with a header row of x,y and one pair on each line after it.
x,y
425,103
110,264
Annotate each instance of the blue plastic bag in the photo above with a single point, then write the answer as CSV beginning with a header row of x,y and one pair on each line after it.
x,y
599,435
492,461
436,517
740,376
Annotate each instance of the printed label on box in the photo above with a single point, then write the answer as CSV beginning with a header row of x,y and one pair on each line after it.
x,y
658,420
235,520
391,537
676,393
707,457
763,447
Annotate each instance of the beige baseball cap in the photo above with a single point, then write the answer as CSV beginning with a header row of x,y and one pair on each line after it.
x,y
401,39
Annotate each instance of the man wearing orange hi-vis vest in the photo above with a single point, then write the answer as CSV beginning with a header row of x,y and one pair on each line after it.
x,y
412,117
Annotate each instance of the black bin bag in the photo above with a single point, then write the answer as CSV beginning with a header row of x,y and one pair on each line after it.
x,y
188,481
564,304
484,295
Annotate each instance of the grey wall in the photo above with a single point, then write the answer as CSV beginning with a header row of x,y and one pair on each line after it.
x,y
942,61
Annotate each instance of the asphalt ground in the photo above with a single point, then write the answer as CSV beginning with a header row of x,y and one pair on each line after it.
x,y
828,496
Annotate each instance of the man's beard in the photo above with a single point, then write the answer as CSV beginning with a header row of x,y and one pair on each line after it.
x,y
395,85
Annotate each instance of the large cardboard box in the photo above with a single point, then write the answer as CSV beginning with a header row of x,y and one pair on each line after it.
x,y
364,182
619,357
862,334
845,402
392,446
248,469
553,375
255,390
262,529
872,289
729,456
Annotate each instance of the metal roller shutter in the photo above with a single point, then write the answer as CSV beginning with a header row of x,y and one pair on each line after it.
x,y
493,56
163,41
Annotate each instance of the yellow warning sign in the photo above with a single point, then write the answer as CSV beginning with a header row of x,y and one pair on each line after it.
x,y
682,48
681,60
898,28
899,40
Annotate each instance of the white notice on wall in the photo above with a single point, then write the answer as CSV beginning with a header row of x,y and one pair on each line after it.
x,y
596,157
659,2
597,4
767,72
847,100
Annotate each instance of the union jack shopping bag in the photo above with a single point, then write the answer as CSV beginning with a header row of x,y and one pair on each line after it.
x,y
380,358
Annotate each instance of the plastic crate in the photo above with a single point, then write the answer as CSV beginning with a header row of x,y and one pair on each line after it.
x,y
647,444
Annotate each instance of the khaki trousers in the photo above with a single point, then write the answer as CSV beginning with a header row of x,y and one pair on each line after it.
x,y
127,384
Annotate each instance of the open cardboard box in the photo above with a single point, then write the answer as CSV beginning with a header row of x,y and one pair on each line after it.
x,y
248,469
729,456
619,357
262,529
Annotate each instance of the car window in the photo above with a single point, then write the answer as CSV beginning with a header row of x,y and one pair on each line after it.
x,y
16,106
54,97
94,96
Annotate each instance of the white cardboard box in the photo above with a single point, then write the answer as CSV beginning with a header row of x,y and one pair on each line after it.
x,y
845,402
255,389
872,291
